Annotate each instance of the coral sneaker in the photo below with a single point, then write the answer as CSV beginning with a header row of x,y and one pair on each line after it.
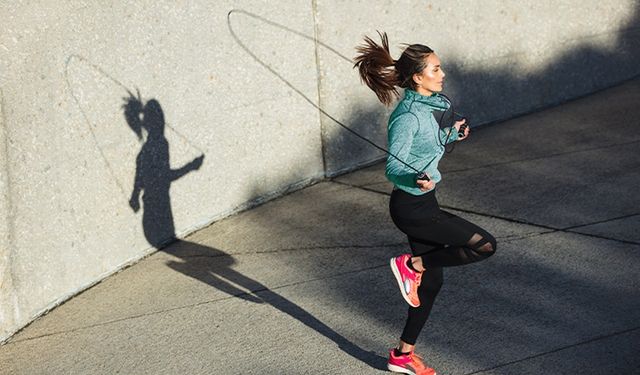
x,y
408,364
408,279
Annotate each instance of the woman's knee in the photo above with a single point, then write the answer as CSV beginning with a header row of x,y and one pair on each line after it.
x,y
493,242
489,248
486,245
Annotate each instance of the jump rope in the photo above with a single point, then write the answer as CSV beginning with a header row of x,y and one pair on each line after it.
x,y
421,174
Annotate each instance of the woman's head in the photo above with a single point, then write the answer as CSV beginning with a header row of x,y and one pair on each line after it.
x,y
418,68
431,78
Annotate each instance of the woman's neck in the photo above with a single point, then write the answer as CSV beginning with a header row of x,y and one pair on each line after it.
x,y
423,91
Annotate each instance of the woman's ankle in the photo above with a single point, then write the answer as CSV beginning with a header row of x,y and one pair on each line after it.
x,y
404,348
416,264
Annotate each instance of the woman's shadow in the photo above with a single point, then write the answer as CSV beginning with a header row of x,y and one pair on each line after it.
x,y
153,180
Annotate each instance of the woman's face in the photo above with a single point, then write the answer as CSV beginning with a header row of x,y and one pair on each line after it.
x,y
431,78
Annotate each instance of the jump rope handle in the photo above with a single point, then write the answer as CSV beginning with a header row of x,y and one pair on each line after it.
x,y
463,127
422,176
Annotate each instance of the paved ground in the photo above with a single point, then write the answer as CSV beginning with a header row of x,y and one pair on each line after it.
x,y
301,285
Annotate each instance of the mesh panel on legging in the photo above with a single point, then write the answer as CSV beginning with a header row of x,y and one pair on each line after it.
x,y
477,248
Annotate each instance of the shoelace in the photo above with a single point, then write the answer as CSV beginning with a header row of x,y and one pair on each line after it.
x,y
418,278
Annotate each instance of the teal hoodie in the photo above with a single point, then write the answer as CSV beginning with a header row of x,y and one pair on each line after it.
x,y
413,137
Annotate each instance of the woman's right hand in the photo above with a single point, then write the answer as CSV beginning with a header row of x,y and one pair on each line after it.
x,y
457,126
425,185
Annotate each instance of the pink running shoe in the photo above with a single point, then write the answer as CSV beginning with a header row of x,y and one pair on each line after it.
x,y
408,279
411,364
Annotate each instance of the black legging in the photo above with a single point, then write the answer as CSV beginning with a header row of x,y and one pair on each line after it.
x,y
441,239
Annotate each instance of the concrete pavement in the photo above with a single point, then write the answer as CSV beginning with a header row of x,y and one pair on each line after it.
x,y
300,285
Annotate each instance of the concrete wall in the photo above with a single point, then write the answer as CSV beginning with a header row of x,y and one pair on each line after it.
x,y
245,90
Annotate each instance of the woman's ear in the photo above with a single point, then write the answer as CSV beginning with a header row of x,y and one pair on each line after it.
x,y
417,78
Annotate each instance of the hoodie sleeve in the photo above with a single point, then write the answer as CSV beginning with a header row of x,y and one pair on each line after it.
x,y
447,138
402,131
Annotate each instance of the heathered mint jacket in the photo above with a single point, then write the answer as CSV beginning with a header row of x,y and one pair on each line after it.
x,y
413,137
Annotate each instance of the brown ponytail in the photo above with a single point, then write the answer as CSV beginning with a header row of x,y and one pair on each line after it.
x,y
382,73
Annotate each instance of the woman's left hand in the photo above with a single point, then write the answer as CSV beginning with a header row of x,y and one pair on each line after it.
x,y
457,125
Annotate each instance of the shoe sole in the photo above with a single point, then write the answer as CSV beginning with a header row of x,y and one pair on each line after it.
x,y
396,273
402,370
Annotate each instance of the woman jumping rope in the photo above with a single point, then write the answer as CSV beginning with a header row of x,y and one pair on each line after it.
x,y
437,238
